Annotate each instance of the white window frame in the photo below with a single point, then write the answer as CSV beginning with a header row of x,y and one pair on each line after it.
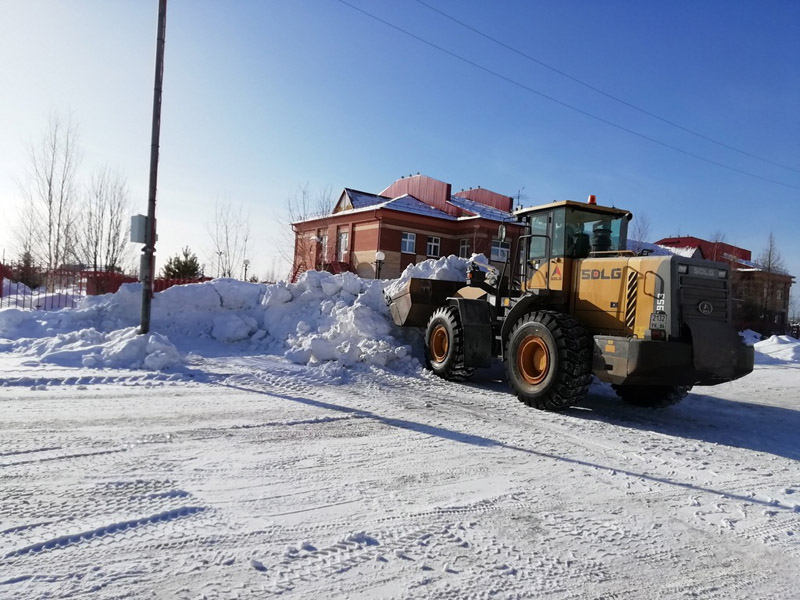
x,y
500,250
323,246
408,240
343,249
434,246
463,248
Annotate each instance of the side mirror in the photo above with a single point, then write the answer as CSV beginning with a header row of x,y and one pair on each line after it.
x,y
501,232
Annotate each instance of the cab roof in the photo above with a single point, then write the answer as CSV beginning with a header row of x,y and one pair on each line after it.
x,y
596,208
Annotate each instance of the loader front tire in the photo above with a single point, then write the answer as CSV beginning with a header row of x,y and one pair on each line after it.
x,y
444,345
652,396
548,360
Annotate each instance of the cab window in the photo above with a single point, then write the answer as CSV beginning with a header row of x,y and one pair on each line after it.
x,y
588,231
538,245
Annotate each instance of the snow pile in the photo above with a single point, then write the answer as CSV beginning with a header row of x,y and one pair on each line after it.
x,y
323,318
777,349
449,268
14,321
19,295
122,348
14,288
339,318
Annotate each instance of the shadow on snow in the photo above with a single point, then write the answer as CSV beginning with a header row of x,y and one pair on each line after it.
x,y
485,442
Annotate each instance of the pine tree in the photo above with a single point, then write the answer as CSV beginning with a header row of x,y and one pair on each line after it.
x,y
27,271
182,266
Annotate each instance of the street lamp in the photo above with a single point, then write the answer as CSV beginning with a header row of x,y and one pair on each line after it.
x,y
379,258
246,264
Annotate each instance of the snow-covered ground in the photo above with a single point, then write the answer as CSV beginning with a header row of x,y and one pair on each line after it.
x,y
284,440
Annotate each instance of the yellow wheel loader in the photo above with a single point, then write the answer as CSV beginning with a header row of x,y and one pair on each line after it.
x,y
572,301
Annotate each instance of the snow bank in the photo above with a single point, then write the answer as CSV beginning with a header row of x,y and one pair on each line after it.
x,y
339,318
13,288
323,318
334,321
123,348
19,295
778,349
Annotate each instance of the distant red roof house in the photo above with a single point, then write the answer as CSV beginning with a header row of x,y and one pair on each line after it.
x,y
413,219
711,250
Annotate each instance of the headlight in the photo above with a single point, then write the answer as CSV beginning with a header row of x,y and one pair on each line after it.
x,y
683,269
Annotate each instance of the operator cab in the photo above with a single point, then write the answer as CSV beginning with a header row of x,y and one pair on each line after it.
x,y
560,232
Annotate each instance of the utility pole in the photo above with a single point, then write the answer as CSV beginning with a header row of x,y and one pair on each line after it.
x,y
149,250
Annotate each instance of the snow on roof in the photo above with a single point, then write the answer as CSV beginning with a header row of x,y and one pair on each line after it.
x,y
363,199
481,210
685,251
410,204
652,249
657,250
747,263
403,203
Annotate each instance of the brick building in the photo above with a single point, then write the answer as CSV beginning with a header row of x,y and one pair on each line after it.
x,y
413,219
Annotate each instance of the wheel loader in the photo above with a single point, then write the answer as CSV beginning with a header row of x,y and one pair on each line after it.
x,y
571,302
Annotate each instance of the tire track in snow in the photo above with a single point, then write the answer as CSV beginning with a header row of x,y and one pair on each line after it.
x,y
147,378
99,532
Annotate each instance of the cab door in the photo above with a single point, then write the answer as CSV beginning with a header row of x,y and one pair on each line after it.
x,y
545,264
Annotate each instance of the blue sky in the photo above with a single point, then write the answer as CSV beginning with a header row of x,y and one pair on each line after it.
x,y
262,98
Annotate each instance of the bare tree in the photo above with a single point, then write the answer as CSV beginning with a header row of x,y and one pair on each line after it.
x,y
230,238
794,309
102,233
770,259
304,206
717,238
272,274
771,263
639,233
27,231
50,193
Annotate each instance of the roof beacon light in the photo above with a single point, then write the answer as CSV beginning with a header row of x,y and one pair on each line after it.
x,y
592,199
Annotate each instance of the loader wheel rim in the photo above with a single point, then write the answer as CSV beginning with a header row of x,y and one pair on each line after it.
x,y
440,343
533,359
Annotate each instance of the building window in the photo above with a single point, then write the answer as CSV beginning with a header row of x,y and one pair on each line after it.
x,y
778,319
780,294
342,246
323,245
463,249
434,244
409,243
500,250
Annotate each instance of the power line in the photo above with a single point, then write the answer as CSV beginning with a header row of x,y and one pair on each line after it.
x,y
599,91
560,102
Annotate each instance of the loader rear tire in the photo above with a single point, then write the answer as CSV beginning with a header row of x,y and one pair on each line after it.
x,y
444,345
549,360
652,396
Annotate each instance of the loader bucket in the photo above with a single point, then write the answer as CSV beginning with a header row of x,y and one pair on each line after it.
x,y
413,305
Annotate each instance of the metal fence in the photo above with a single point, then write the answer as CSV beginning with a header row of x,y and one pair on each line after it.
x,y
36,289
41,290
